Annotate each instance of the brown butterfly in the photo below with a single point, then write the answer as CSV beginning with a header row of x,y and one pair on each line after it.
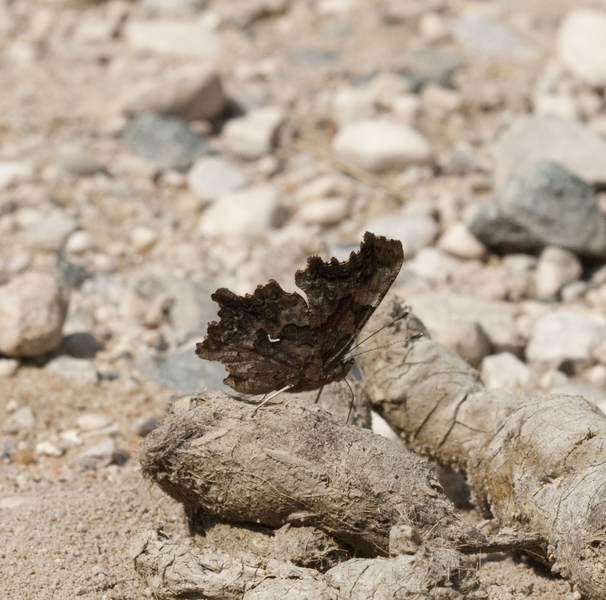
x,y
272,339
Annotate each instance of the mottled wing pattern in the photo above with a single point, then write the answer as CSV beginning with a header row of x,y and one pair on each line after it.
x,y
343,295
241,339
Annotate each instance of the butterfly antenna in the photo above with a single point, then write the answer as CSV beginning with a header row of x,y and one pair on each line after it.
x,y
270,397
318,396
406,313
416,336
351,404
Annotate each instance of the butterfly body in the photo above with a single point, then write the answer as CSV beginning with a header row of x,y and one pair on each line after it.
x,y
272,339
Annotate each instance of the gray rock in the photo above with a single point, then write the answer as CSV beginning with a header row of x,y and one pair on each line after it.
x,y
24,418
591,393
254,134
48,232
556,268
32,312
504,370
380,145
546,206
467,339
78,161
79,345
78,370
170,7
13,172
191,92
169,142
488,38
582,45
497,319
182,371
533,138
212,176
565,335
74,275
101,455
143,426
430,65
433,265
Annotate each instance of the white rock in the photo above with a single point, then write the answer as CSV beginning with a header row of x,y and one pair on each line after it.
x,y
143,238
581,45
504,370
596,375
556,268
192,92
49,232
49,449
324,187
435,96
350,104
24,417
247,213
328,211
8,367
254,134
434,265
32,311
79,242
591,393
564,334
467,339
13,172
555,105
92,421
433,27
212,176
77,370
194,38
381,145
405,108
458,241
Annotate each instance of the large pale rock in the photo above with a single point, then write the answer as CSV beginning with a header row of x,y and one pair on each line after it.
x,y
380,145
582,45
504,370
32,311
532,138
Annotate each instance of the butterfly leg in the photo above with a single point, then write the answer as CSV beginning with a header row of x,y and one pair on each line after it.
x,y
270,397
319,394
351,404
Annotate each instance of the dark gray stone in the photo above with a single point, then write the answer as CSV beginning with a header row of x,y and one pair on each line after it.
x,y
169,142
545,206
79,345
182,371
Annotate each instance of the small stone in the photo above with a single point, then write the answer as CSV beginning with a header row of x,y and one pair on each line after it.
x,y
248,212
433,27
78,370
8,367
562,106
98,456
254,134
533,138
191,92
438,98
596,375
79,242
213,176
405,108
467,339
143,426
18,262
574,291
93,421
49,449
48,232
74,275
556,268
434,265
79,345
143,238
520,275
32,312
380,145
13,172
78,161
599,352
169,142
328,211
24,417
504,370
581,45
565,335
458,241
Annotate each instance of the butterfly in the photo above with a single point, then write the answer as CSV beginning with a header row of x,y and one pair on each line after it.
x,y
272,339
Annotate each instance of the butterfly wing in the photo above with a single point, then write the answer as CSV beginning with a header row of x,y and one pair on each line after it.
x,y
343,295
263,339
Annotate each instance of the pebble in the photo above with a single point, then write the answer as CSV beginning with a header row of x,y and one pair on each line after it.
x,y
8,367
520,276
77,370
191,92
458,241
32,312
13,172
581,45
248,212
79,242
433,27
565,335
169,7
532,138
485,37
415,232
545,206
324,187
92,421
78,161
79,345
143,238
24,418
560,105
169,142
574,291
434,265
143,426
254,134
213,176
49,449
74,275
504,370
325,212
556,268
101,455
467,339
182,371
497,319
48,232
381,145
194,38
